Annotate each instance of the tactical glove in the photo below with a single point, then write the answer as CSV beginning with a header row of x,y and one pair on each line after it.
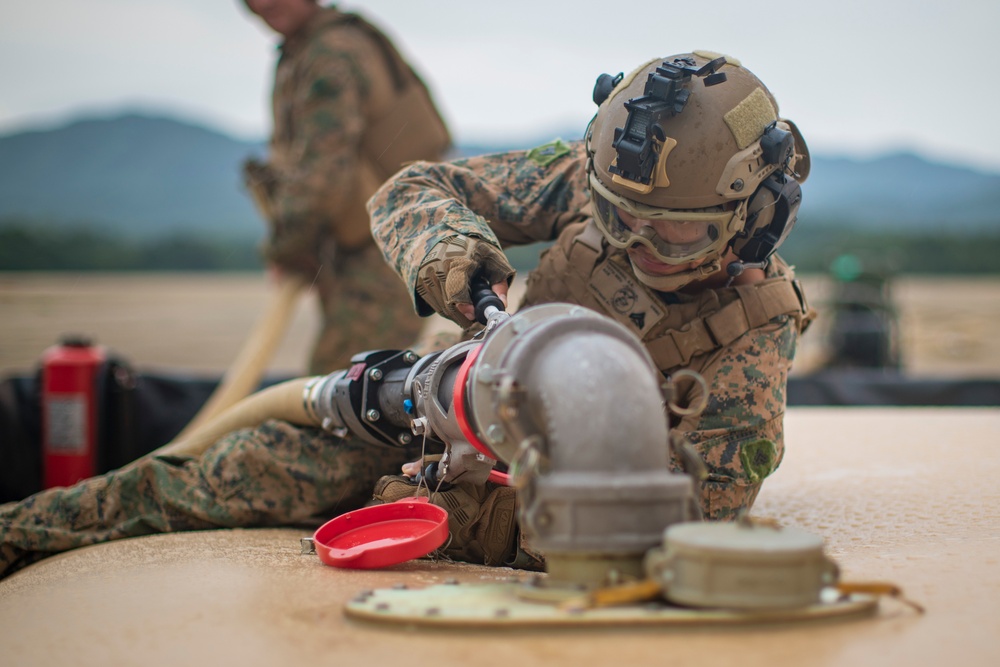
x,y
444,275
481,519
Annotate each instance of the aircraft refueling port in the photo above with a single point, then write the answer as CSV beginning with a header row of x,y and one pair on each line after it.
x,y
618,527
704,574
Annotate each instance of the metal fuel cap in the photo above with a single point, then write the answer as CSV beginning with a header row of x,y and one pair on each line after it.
x,y
740,565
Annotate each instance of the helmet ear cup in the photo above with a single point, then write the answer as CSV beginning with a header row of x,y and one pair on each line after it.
x,y
771,214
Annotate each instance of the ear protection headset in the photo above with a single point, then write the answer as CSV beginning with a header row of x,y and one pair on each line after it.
x,y
773,207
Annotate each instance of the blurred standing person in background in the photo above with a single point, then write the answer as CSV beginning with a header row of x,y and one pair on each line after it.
x,y
348,113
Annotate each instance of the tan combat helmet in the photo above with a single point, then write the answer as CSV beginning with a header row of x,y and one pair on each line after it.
x,y
689,157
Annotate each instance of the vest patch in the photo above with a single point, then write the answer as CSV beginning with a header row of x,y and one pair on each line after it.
x,y
548,153
625,298
758,459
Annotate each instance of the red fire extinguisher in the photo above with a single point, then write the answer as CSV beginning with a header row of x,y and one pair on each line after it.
x,y
70,411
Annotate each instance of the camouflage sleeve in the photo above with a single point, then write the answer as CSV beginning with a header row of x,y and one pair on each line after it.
x,y
505,199
317,174
740,434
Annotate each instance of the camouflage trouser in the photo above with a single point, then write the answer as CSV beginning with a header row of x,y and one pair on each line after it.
x,y
725,501
365,307
275,474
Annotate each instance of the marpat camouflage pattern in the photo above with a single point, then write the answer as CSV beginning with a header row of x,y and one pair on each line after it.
x,y
542,195
272,475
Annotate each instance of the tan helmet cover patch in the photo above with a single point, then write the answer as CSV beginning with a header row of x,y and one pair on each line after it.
x,y
748,119
712,55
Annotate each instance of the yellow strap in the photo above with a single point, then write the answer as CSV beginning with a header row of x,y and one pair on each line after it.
x,y
629,593
650,589
877,588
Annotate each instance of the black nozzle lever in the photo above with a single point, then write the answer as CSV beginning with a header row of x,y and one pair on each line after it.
x,y
484,297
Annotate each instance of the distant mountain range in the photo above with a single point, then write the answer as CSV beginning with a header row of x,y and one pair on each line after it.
x,y
138,175
145,176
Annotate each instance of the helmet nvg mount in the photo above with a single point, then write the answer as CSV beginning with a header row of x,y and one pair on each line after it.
x,y
689,158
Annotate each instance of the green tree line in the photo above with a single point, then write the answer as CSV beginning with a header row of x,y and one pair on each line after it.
x,y
813,249
33,247
29,246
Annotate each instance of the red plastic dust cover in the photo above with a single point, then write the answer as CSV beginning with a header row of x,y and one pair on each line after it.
x,y
382,535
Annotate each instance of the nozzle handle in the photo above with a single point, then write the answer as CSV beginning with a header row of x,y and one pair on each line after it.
x,y
483,297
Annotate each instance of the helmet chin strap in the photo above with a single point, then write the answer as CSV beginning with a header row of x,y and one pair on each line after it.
x,y
675,281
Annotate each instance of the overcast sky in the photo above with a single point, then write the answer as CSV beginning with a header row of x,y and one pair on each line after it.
x,y
859,77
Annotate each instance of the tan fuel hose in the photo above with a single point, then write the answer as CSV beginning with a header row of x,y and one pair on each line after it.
x,y
245,372
281,401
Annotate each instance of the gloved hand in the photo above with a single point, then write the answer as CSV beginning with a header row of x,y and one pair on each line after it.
x,y
444,275
481,519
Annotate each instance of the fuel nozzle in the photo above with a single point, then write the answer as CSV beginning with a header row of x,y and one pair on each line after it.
x,y
489,307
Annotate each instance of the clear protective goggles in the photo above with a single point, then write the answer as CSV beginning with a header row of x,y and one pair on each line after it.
x,y
673,236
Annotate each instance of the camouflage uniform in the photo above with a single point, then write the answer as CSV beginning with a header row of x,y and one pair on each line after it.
x,y
740,339
338,102
275,474
279,474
